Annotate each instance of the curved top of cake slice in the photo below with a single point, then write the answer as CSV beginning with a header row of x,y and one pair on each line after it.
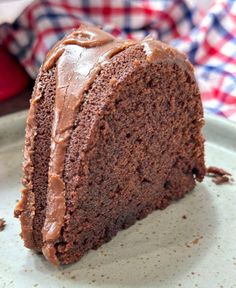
x,y
78,59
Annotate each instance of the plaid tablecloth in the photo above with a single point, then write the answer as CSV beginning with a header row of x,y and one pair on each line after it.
x,y
209,39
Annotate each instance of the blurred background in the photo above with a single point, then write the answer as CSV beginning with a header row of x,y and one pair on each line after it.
x,y
10,9
214,49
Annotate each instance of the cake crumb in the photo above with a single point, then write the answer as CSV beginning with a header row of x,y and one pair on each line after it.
x,y
219,175
221,179
196,241
184,217
193,242
2,224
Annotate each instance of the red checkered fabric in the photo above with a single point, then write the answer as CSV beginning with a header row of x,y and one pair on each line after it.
x,y
208,39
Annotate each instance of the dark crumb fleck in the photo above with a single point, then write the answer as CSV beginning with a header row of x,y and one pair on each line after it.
x,y
184,217
219,175
193,242
2,224
221,179
196,241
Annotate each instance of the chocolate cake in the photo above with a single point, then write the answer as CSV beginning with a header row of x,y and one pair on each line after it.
x,y
113,133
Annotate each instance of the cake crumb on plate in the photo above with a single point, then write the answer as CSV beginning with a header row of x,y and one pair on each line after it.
x,y
2,224
219,175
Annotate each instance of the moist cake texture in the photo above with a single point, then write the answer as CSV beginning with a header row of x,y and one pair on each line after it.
x,y
113,133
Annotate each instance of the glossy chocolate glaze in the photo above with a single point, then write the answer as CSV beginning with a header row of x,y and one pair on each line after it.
x,y
25,208
80,56
159,51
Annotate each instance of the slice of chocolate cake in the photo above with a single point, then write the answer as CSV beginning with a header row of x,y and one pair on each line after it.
x,y
113,133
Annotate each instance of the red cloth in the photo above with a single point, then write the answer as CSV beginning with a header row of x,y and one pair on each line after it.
x,y
13,78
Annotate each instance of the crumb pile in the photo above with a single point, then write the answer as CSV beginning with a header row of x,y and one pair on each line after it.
x,y
219,175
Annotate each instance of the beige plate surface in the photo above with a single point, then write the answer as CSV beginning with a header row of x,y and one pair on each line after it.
x,y
163,250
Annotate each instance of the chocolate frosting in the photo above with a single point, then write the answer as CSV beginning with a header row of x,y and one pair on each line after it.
x,y
25,208
157,51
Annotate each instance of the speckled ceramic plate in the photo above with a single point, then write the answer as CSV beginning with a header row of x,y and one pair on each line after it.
x,y
192,243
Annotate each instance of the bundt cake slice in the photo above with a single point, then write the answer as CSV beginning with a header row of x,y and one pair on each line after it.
x,y
113,133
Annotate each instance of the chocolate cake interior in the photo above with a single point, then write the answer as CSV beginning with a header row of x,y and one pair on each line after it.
x,y
134,148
